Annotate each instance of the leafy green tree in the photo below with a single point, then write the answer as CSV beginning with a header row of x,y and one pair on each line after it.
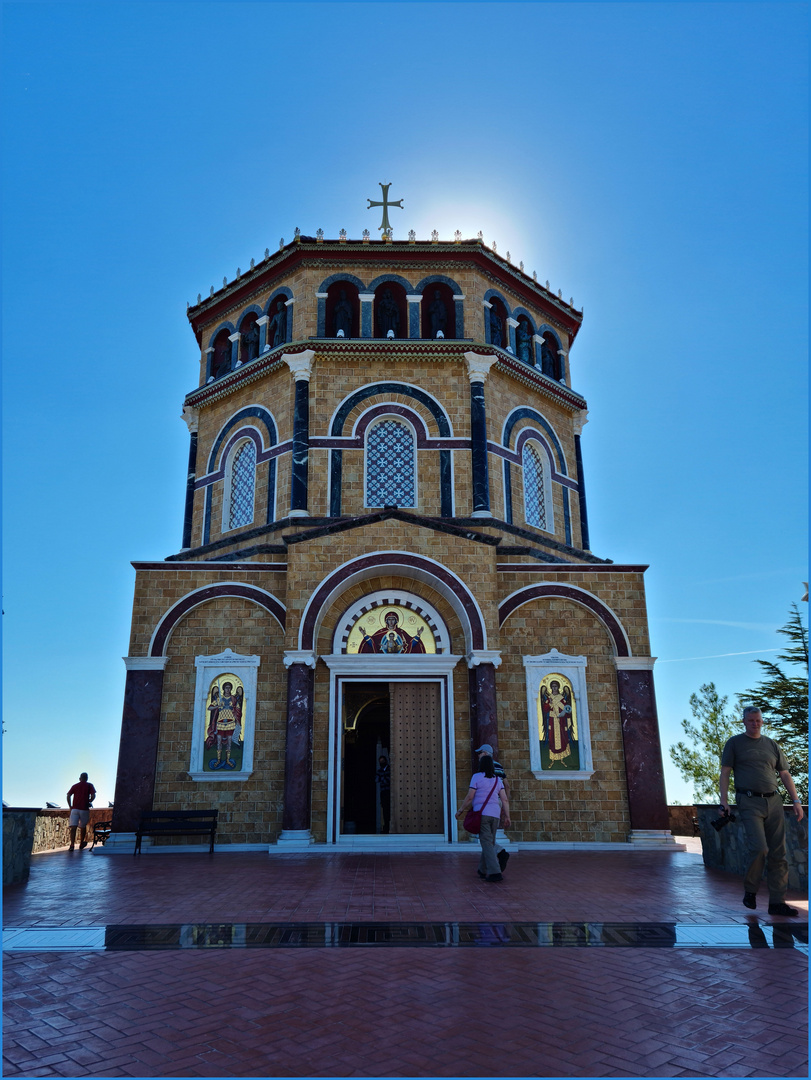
x,y
708,731
782,697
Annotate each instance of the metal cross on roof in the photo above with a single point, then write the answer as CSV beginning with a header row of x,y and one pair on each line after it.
x,y
385,225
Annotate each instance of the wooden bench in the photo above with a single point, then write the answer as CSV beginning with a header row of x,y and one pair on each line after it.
x,y
101,830
176,823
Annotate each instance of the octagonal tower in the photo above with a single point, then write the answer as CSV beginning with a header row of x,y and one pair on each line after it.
x,y
385,554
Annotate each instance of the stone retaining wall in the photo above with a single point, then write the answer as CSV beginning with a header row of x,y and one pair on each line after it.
x,y
727,849
19,824
53,832
681,820
29,830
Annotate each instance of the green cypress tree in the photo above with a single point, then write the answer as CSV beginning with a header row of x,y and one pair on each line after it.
x,y
709,730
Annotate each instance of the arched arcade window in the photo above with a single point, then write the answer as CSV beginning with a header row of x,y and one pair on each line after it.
x,y
551,361
535,501
390,310
249,338
390,464
241,486
222,354
496,316
342,310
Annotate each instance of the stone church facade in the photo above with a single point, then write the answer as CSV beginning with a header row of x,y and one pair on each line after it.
x,y
385,553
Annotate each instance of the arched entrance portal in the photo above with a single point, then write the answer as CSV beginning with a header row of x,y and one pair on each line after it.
x,y
391,697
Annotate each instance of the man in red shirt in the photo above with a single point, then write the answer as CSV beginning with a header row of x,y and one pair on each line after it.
x,y
80,799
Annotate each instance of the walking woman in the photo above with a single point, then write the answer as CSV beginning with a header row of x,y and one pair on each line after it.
x,y
488,795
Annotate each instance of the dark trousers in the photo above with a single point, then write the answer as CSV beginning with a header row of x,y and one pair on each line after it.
x,y
765,824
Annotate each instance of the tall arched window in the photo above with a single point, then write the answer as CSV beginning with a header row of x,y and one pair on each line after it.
x,y
242,486
534,488
390,471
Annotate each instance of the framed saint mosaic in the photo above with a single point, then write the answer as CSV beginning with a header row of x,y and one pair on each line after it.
x,y
557,711
224,716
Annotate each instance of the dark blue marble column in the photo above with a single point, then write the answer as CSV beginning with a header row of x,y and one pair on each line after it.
x,y
190,479
262,323
298,754
366,301
321,316
581,494
234,339
300,365
478,367
458,302
414,300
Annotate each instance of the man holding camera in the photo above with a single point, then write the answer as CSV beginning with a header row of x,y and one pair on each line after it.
x,y
755,759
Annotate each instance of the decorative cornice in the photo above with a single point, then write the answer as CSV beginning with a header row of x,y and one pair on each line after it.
x,y
389,351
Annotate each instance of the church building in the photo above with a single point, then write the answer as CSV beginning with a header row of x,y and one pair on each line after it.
x,y
385,564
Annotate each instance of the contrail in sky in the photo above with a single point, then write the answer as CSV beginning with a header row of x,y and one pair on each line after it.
x,y
715,656
721,622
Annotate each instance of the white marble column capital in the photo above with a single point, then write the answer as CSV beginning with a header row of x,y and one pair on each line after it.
x,y
634,663
145,663
580,419
191,418
478,366
483,656
299,656
300,364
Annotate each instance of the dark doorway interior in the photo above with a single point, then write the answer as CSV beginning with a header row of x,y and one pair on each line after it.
x,y
366,719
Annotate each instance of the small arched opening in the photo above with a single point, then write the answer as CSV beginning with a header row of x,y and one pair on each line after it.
x,y
342,310
438,310
390,310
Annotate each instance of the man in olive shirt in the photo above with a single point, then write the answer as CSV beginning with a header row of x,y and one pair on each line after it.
x,y
756,761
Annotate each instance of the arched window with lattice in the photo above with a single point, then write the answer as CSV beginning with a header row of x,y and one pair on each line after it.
x,y
391,475
537,508
241,486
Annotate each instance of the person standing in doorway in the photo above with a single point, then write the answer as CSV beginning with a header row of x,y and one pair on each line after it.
x,y
757,761
487,794
502,854
383,775
80,799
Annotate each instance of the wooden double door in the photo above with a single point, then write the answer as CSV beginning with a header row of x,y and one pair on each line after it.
x,y
403,722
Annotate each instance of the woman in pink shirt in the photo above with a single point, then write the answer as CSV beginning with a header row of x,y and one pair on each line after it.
x,y
488,795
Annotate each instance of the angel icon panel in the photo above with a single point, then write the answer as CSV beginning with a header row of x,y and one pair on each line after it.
x,y
557,723
225,708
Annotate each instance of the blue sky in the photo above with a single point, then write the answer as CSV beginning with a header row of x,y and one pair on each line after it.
x,y
648,159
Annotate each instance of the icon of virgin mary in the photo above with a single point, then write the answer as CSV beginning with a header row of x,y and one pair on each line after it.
x,y
391,638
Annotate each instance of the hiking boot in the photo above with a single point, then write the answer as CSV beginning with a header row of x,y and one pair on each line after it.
x,y
503,858
782,909
493,878
749,900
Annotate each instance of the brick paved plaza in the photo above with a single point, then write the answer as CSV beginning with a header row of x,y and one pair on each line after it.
x,y
501,1009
